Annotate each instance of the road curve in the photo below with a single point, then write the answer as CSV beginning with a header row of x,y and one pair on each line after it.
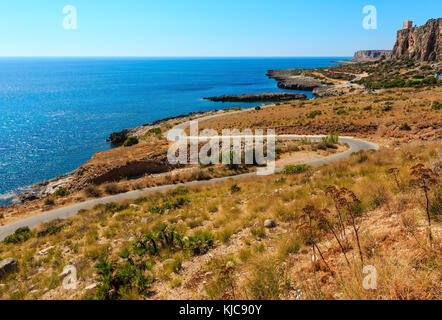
x,y
355,145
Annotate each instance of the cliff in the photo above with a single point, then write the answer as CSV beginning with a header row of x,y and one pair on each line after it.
x,y
421,43
370,55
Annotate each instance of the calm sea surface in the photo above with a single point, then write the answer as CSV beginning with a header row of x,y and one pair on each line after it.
x,y
55,113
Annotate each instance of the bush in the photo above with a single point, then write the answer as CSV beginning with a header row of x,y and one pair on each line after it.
x,y
405,127
112,188
92,192
114,280
331,141
436,105
62,192
155,131
295,169
130,142
51,230
235,188
49,202
313,114
20,235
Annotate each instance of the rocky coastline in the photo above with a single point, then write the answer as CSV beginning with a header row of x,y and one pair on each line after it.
x,y
260,97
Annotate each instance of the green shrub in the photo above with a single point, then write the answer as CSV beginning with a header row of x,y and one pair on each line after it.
x,y
19,236
130,142
49,202
92,192
235,188
112,188
200,243
115,279
51,230
436,105
331,141
314,114
155,131
62,192
295,169
405,127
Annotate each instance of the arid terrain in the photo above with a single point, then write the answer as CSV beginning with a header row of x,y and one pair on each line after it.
x,y
304,233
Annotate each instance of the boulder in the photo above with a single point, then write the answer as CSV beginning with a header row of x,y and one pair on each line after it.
x,y
8,266
146,220
269,224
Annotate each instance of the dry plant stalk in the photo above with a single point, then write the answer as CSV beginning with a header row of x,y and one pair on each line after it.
x,y
324,219
394,172
346,201
311,225
424,179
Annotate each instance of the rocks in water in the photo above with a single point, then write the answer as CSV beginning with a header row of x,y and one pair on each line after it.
x,y
118,138
269,224
8,266
286,80
264,97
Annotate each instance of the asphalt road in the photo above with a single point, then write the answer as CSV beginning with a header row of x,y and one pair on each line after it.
x,y
355,145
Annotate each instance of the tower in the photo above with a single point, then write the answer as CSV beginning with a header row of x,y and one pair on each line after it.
x,y
408,24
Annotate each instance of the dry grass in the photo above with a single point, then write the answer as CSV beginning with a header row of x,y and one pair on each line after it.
x,y
392,230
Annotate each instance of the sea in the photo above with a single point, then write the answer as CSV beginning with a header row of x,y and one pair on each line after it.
x,y
55,113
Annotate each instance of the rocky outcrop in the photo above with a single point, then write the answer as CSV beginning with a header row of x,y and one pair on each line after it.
x,y
119,163
118,138
327,91
370,55
421,43
286,80
260,97
7,267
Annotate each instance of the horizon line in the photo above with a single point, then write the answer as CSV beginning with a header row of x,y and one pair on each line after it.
x,y
133,56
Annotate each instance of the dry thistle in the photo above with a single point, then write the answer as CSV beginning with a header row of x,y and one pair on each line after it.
x,y
345,200
333,192
424,179
312,226
325,220
394,172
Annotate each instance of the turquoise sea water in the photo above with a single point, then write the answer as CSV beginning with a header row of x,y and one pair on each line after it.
x,y
55,113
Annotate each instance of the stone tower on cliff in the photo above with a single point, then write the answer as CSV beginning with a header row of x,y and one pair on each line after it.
x,y
407,24
422,43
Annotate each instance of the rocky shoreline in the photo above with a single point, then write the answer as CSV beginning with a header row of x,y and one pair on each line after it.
x,y
259,97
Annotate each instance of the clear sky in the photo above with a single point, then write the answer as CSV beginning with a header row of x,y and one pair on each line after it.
x,y
204,27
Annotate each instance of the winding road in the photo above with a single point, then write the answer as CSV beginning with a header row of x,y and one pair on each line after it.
x,y
355,145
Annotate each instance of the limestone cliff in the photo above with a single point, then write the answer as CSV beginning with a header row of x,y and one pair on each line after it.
x,y
370,55
421,43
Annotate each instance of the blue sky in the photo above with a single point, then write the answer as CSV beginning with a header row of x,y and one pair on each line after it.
x,y
204,27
